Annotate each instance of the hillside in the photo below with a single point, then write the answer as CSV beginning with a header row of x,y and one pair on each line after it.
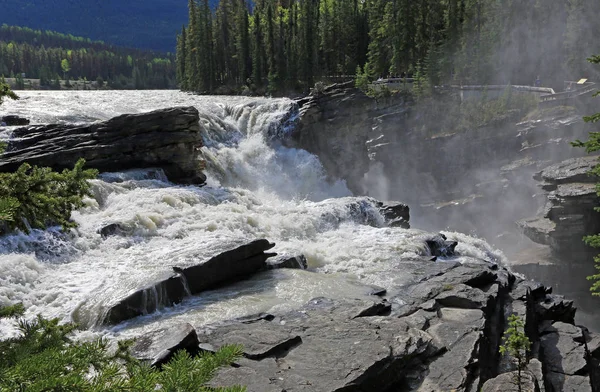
x,y
50,56
144,24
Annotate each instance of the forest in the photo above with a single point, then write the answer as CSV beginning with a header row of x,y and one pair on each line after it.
x,y
142,24
279,46
51,56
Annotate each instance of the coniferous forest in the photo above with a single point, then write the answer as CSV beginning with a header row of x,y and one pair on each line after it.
x,y
278,46
50,56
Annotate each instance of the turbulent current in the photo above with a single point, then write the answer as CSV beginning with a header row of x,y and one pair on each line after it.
x,y
256,188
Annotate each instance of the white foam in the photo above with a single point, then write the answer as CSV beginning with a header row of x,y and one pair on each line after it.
x,y
257,188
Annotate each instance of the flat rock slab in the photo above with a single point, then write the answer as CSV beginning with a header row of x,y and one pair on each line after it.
x,y
462,296
571,170
334,350
158,347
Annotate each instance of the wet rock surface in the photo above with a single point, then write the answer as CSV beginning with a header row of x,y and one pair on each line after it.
x,y
158,347
227,267
441,333
166,138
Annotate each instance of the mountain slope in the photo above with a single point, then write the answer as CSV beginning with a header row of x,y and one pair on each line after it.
x,y
145,24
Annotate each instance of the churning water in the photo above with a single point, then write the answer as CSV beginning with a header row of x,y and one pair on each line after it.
x,y
257,188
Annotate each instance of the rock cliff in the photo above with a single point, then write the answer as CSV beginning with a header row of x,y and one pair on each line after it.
x,y
450,179
569,212
333,125
166,138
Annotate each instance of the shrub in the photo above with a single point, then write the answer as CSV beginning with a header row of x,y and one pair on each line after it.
x,y
44,358
516,344
35,197
5,91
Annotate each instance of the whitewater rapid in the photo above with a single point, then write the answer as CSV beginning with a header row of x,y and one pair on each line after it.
x,y
256,188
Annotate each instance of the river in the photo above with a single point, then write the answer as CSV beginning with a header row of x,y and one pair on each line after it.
x,y
256,188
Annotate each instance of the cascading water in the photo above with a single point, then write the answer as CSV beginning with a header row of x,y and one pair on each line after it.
x,y
257,188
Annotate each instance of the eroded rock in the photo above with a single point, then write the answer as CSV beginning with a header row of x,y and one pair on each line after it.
x,y
227,267
165,138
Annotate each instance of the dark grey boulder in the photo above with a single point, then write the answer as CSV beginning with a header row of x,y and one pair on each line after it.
x,y
396,214
112,229
288,261
227,267
462,296
557,308
12,120
166,138
440,246
158,347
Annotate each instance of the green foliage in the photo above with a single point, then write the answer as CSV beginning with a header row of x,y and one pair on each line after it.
x,y
293,44
361,79
592,145
35,197
44,358
65,66
8,209
5,92
12,311
516,344
48,56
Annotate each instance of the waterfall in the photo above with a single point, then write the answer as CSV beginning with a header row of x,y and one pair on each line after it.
x,y
256,188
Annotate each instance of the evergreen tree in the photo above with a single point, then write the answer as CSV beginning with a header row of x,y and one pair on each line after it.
x,y
593,145
180,60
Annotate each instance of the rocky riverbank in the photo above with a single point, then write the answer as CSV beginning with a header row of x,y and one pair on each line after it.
x,y
441,333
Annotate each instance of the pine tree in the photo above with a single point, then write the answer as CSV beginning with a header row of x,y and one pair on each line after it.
x,y
180,60
257,47
192,46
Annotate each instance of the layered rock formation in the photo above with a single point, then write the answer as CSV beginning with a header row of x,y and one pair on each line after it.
x,y
166,138
452,178
227,267
333,125
569,212
441,333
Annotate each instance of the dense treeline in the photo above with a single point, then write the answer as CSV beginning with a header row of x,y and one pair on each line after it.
x,y
50,56
133,23
282,45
